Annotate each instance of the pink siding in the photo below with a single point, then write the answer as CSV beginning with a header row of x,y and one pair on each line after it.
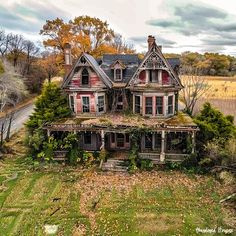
x,y
165,77
91,99
94,81
142,77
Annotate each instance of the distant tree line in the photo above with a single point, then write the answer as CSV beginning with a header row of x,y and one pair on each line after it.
x,y
213,64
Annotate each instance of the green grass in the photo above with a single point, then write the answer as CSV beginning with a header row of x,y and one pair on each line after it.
x,y
52,195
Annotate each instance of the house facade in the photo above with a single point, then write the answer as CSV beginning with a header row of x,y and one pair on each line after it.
x,y
117,94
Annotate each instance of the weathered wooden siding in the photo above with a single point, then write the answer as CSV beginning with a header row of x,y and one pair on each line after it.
x,y
94,80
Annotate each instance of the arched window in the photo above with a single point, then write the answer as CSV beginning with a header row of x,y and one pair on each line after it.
x,y
118,74
85,77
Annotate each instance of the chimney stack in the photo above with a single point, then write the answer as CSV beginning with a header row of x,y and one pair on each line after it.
x,y
68,59
151,40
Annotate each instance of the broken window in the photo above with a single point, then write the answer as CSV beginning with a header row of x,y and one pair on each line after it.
x,y
101,103
148,107
85,77
85,104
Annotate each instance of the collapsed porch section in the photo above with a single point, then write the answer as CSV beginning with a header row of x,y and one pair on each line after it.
x,y
157,140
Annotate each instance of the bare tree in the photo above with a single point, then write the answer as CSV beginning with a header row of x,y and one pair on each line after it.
x,y
16,47
31,51
4,42
195,86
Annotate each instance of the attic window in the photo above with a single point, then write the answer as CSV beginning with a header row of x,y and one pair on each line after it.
x,y
118,74
85,77
82,60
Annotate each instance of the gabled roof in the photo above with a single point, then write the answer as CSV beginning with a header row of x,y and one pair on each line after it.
x,y
94,64
122,65
155,49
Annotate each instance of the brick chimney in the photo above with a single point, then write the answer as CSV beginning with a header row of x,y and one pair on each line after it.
x,y
151,40
68,59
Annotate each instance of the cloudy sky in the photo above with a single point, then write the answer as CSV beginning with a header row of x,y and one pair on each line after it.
x,y
178,25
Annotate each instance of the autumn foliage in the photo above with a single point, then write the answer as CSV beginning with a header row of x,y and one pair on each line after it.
x,y
85,34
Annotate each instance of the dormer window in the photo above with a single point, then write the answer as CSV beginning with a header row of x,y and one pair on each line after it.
x,y
85,77
118,74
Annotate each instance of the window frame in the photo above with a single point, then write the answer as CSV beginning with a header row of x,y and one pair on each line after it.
x,y
72,102
87,77
160,106
146,141
137,105
149,106
89,136
99,106
170,106
118,78
82,98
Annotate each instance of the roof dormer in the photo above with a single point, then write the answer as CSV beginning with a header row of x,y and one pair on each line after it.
x,y
118,68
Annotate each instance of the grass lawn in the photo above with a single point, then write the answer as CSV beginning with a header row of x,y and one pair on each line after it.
x,y
86,202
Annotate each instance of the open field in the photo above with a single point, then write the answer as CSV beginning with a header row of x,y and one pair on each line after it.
x,y
89,202
221,94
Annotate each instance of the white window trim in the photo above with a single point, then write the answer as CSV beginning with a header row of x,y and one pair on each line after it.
x,y
121,74
104,99
82,103
75,104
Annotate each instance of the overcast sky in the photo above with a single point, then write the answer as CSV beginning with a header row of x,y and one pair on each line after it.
x,y
178,25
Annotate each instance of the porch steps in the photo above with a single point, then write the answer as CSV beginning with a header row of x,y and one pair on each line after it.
x,y
115,165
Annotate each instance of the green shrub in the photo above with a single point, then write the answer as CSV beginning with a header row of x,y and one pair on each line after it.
x,y
146,164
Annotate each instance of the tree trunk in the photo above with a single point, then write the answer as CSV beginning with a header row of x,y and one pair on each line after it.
x,y
9,127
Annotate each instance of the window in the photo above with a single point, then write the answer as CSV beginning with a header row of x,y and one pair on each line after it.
x,y
170,105
72,103
119,105
148,107
127,138
101,103
85,77
159,105
137,104
153,76
85,104
148,141
87,138
118,74
112,137
158,141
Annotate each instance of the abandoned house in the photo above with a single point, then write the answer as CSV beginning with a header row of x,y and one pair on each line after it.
x,y
118,93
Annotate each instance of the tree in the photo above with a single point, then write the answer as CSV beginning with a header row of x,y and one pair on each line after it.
x,y
49,64
4,42
31,51
195,86
214,125
85,34
16,47
52,104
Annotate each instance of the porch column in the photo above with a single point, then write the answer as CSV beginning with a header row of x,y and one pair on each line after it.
x,y
159,76
48,132
153,141
162,154
193,142
103,140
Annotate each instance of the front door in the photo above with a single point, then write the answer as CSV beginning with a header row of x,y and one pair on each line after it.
x,y
120,140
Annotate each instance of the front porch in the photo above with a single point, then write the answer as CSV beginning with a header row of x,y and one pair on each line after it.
x,y
158,141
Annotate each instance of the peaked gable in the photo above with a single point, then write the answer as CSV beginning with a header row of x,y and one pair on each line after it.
x,y
87,60
154,59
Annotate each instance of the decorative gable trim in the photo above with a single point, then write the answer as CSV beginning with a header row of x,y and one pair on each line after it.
x,y
154,59
122,65
87,60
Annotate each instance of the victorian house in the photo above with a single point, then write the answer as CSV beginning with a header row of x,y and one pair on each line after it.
x,y
117,93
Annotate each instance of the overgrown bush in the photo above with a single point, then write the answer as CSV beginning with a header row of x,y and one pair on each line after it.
x,y
146,164
51,105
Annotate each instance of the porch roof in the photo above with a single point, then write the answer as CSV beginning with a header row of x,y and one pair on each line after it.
x,y
118,121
